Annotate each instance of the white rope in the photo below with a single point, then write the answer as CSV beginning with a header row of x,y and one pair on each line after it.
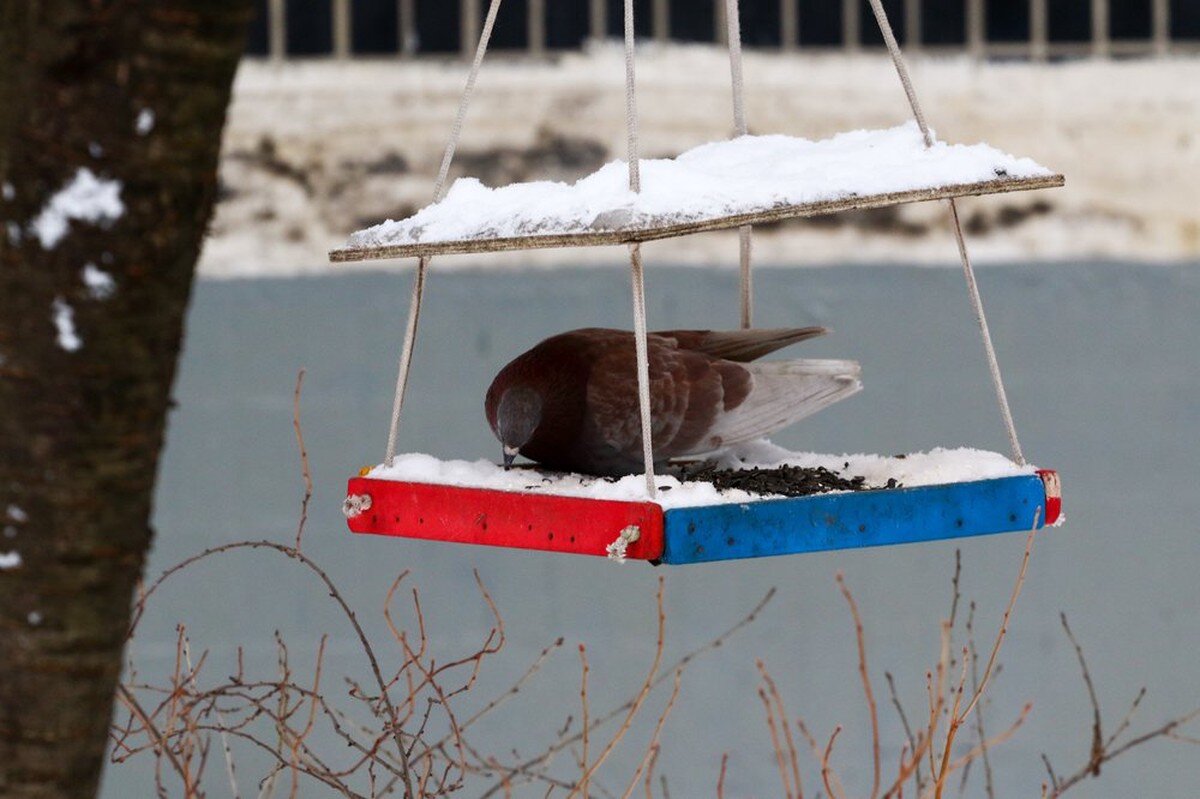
x,y
485,36
746,290
733,34
635,262
643,363
439,189
356,504
981,320
406,353
631,119
619,549
885,27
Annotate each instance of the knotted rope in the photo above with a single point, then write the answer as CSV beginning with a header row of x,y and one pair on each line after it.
x,y
885,27
619,548
439,190
635,260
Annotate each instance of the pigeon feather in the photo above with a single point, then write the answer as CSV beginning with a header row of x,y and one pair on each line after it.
x,y
573,399
741,345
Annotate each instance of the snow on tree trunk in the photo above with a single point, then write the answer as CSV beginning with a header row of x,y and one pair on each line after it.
x,y
110,122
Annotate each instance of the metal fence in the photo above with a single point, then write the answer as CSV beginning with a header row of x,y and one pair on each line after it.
x,y
1156,36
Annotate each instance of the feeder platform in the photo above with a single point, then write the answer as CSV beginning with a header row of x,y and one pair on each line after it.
x,y
694,533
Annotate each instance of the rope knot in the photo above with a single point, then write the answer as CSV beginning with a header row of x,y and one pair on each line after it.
x,y
617,549
355,504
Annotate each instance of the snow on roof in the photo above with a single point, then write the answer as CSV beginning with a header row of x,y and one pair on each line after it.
x,y
748,174
938,466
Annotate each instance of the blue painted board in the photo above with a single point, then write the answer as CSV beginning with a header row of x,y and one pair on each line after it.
x,y
853,519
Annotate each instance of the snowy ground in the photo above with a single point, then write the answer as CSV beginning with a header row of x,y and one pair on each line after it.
x,y
316,150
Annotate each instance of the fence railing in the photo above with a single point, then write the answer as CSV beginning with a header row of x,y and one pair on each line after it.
x,y
1036,45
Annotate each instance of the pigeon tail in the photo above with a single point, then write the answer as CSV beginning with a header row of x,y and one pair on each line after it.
x,y
783,393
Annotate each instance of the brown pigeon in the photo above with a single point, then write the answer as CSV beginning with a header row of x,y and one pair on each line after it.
x,y
571,402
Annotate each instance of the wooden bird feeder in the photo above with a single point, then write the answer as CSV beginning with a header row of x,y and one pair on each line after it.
x,y
864,169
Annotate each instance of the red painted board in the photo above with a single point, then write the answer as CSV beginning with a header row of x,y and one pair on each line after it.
x,y
1053,484
505,518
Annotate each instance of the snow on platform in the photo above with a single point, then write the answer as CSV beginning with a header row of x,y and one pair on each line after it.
x,y
717,185
936,467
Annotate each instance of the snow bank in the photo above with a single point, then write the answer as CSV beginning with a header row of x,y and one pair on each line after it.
x,y
743,175
918,469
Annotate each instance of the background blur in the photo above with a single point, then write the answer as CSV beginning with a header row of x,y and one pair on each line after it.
x,y
362,27
339,115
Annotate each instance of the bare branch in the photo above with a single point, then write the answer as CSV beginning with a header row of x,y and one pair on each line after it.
x,y
583,701
652,748
908,733
1097,750
641,696
860,638
1012,601
773,692
304,468
826,769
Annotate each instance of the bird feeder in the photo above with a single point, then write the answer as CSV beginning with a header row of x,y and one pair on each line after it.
x,y
731,184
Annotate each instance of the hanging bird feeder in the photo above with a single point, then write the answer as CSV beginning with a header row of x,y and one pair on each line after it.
x,y
732,184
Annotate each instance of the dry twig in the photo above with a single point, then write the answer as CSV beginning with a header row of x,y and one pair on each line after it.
x,y
860,638
1105,749
304,469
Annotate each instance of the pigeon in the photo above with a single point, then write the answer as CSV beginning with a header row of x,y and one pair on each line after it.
x,y
571,403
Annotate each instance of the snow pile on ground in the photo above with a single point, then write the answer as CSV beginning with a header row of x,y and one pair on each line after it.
x,y
725,178
935,467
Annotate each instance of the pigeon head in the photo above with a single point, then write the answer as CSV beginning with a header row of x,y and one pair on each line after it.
x,y
517,417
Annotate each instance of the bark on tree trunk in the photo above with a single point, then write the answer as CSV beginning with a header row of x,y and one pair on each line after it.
x,y
110,120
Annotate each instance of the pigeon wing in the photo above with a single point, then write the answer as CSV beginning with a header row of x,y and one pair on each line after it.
x,y
782,393
688,392
741,345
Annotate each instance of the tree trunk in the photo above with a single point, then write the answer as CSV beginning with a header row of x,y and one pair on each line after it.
x,y
110,122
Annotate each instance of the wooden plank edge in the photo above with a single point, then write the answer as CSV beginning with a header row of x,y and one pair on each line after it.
x,y
852,520
629,236
511,519
1053,485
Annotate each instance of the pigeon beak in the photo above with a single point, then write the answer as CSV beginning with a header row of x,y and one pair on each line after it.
x,y
510,454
